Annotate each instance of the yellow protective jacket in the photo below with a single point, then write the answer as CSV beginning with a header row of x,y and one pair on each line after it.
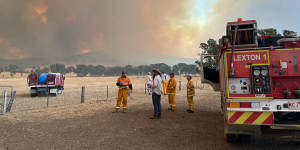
x,y
171,88
124,82
190,88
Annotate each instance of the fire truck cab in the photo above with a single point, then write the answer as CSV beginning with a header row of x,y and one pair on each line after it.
x,y
259,82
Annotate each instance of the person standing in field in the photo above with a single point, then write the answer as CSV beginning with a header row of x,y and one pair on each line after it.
x,y
157,90
165,79
171,91
190,94
124,85
149,83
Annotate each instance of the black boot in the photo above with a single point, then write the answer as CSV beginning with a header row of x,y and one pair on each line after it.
x,y
159,116
154,117
191,111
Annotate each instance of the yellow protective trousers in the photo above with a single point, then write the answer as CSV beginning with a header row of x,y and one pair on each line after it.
x,y
172,101
122,97
165,85
190,100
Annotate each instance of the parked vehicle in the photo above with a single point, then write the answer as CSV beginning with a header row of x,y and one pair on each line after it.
x,y
259,82
46,83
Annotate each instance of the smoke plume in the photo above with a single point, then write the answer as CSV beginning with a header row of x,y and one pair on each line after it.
x,y
122,29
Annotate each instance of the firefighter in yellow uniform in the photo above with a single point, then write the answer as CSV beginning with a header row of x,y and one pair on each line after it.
x,y
124,85
171,91
190,94
165,82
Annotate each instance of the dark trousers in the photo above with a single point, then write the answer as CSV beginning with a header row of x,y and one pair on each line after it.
x,y
156,104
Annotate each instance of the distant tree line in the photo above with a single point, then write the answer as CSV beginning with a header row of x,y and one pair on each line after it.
x,y
12,69
82,70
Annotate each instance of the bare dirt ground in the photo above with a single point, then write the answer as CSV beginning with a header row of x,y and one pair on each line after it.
x,y
68,125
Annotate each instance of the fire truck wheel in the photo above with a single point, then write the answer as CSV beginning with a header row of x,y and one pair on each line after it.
x,y
232,138
33,95
53,94
238,138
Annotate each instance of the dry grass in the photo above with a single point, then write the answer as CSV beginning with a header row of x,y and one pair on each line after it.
x,y
67,124
96,92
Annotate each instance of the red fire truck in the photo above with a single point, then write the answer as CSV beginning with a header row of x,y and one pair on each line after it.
x,y
46,83
259,82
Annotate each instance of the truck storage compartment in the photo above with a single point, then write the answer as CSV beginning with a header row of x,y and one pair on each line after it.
x,y
292,118
242,33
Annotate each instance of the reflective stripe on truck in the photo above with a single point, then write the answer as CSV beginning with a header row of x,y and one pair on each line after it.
x,y
251,118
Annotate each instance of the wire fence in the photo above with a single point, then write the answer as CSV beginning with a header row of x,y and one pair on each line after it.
x,y
90,94
7,95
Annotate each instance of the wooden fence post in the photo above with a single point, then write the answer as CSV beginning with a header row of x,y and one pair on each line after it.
x,y
82,94
11,101
48,92
107,92
179,85
5,100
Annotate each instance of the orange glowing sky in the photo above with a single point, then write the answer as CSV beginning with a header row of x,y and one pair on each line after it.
x,y
41,9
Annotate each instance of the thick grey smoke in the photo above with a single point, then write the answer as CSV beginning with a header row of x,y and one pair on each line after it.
x,y
123,30
120,28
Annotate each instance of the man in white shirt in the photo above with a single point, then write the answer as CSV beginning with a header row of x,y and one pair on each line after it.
x,y
157,90
149,83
